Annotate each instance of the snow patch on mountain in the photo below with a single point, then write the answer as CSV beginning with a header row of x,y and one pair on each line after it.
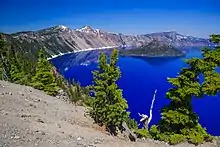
x,y
179,37
62,27
86,29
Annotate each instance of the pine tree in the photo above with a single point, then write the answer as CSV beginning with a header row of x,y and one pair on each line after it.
x,y
1,63
211,84
26,64
4,57
108,105
1,76
15,71
44,78
179,122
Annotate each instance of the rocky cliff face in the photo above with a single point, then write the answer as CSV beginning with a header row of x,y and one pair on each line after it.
x,y
61,39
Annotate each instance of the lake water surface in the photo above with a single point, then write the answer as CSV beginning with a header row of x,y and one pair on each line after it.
x,y
140,77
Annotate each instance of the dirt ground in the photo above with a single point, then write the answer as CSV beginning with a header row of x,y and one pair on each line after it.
x,y
30,118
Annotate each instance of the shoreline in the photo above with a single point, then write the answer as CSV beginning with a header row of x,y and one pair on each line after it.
x,y
82,50
156,56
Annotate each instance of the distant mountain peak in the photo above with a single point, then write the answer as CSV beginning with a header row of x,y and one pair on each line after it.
x,y
57,28
86,29
174,32
166,32
61,27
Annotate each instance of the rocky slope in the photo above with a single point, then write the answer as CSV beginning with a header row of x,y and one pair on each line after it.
x,y
30,118
61,39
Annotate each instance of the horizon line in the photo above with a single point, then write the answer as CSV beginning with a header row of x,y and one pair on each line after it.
x,y
75,29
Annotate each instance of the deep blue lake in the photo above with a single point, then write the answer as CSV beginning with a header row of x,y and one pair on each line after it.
x,y
140,77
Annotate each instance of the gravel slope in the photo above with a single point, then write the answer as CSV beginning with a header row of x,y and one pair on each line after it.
x,y
30,118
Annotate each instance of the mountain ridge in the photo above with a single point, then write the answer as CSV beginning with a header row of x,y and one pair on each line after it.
x,y
90,27
60,39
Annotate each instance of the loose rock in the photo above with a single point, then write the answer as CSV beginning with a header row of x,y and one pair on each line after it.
x,y
40,120
91,145
43,133
17,137
98,141
58,125
25,115
79,138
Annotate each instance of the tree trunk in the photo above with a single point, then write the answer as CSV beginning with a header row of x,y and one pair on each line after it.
x,y
128,132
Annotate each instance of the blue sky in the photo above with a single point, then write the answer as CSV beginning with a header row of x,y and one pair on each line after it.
x,y
190,17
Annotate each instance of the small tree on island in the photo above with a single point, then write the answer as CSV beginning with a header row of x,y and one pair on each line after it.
x,y
179,123
108,105
44,78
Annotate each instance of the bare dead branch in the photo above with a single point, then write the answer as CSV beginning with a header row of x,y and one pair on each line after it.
x,y
152,105
144,118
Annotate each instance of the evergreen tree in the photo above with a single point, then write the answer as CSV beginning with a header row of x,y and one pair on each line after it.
x,y
44,78
1,64
108,105
15,72
1,71
74,92
4,57
179,122
10,61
